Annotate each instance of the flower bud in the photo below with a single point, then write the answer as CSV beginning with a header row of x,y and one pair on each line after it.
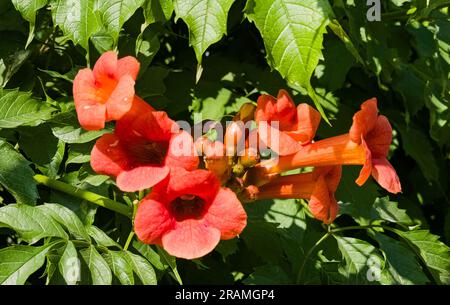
x,y
247,112
234,137
216,161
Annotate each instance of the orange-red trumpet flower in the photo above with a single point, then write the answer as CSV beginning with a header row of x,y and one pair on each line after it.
x,y
105,93
366,144
317,186
296,125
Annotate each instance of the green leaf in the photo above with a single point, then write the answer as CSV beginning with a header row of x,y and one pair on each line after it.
x,y
66,128
359,256
142,268
103,41
85,210
171,261
293,34
211,108
151,255
51,169
11,62
51,268
79,153
114,13
67,218
147,45
100,271
16,176
206,20
388,210
157,11
402,265
30,223
17,263
39,144
433,252
19,108
268,275
77,19
120,266
69,264
28,9
101,238
56,74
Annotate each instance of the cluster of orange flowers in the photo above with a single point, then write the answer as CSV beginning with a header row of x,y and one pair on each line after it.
x,y
194,203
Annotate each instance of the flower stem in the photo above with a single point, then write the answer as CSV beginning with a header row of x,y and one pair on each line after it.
x,y
85,195
129,239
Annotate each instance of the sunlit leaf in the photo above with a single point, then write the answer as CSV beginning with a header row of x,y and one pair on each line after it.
x,y
206,20
16,175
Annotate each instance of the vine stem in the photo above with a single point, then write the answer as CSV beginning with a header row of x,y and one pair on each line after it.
x,y
129,239
85,195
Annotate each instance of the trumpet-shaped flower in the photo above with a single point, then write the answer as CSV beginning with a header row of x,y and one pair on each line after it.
x,y
366,144
141,151
189,213
296,125
317,186
106,92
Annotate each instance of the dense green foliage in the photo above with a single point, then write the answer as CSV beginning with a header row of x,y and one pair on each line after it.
x,y
202,59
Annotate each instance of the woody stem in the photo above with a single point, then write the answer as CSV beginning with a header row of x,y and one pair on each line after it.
x,y
85,195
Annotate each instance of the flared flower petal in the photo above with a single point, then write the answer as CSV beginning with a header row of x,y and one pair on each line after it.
x,y
281,109
385,175
152,219
283,127
322,204
308,120
109,157
191,239
106,66
379,139
138,108
277,140
141,177
91,113
201,183
366,170
120,100
153,126
181,152
227,214
364,120
127,65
